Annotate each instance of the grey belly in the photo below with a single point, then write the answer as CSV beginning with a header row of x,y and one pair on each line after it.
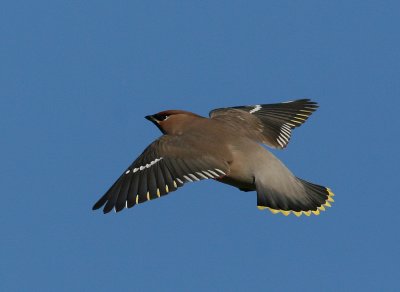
x,y
242,174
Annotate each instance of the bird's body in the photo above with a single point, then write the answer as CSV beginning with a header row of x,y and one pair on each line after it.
x,y
225,147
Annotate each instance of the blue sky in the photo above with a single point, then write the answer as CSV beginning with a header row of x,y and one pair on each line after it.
x,y
76,80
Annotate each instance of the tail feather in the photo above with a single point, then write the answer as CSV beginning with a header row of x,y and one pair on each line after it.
x,y
309,199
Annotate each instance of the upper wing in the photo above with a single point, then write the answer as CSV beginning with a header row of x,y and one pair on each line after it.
x,y
164,166
270,124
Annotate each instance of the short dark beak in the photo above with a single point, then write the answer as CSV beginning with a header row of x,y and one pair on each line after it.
x,y
151,119
155,122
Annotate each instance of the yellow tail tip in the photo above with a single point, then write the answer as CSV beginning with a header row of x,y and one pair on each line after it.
x,y
273,211
307,213
298,214
316,212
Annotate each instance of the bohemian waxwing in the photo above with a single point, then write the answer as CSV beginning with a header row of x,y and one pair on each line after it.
x,y
225,147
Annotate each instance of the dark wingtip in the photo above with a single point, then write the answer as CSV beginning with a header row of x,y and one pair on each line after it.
x,y
310,102
119,208
108,207
100,203
97,206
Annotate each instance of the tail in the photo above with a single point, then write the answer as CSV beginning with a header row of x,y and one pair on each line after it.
x,y
301,197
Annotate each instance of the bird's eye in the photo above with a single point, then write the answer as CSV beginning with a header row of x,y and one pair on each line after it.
x,y
160,117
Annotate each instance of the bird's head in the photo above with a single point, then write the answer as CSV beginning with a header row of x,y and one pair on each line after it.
x,y
172,121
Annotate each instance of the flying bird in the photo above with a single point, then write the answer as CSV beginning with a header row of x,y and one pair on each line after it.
x,y
225,147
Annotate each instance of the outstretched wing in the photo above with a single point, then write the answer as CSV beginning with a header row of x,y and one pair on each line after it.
x,y
270,124
165,165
